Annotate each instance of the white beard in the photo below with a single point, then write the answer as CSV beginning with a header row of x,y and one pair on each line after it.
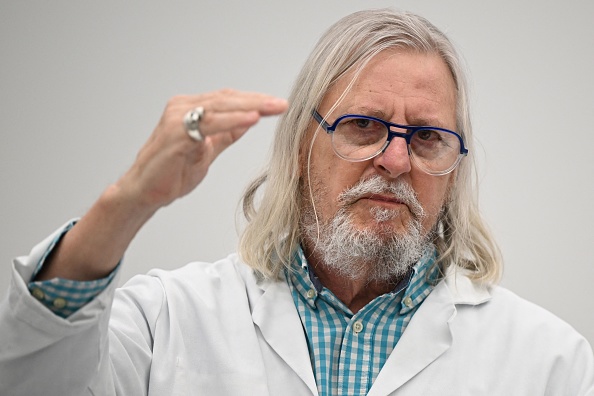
x,y
372,254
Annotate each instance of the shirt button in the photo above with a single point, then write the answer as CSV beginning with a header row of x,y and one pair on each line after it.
x,y
408,301
311,293
59,303
38,294
357,326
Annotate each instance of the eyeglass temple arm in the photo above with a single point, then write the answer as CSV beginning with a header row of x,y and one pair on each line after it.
x,y
320,120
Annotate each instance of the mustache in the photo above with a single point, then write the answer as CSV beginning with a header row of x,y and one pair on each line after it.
x,y
398,189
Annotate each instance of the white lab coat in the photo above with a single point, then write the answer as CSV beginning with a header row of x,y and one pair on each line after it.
x,y
214,329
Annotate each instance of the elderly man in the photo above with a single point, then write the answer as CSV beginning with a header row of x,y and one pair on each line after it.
x,y
365,267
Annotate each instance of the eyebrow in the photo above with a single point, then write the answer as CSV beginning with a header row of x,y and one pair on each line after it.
x,y
433,122
369,111
377,113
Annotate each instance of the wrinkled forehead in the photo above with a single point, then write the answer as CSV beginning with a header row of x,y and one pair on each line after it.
x,y
342,82
395,80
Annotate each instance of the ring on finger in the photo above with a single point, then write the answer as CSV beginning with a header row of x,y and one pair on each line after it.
x,y
191,121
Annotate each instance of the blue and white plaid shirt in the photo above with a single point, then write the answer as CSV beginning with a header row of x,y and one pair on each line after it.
x,y
63,296
348,350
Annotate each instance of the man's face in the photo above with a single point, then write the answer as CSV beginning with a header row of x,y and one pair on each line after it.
x,y
403,87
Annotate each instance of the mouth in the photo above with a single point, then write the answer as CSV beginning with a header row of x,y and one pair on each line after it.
x,y
376,193
383,199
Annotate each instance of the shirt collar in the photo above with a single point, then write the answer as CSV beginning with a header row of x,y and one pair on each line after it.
x,y
417,284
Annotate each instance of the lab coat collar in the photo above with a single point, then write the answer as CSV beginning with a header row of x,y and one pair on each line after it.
x,y
276,316
462,289
429,334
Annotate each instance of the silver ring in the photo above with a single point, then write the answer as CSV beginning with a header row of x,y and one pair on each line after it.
x,y
191,121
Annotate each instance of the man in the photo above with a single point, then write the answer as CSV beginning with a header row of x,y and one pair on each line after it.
x,y
364,268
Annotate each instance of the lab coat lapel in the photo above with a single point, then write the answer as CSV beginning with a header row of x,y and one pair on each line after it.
x,y
428,334
276,316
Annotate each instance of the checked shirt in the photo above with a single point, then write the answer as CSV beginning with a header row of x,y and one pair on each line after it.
x,y
347,350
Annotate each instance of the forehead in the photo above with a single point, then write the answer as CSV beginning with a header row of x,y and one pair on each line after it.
x,y
397,84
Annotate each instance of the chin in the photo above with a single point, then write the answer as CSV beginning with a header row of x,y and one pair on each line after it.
x,y
382,219
385,228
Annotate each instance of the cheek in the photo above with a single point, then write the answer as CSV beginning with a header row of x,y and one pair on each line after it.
x,y
432,195
329,182
330,177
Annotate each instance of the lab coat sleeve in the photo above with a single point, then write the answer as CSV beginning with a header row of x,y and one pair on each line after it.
x,y
44,354
572,373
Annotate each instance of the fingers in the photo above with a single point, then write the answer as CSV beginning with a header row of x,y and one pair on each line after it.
x,y
214,121
225,111
171,163
228,100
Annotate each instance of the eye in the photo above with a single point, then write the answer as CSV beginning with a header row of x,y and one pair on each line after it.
x,y
427,135
362,122
357,132
361,125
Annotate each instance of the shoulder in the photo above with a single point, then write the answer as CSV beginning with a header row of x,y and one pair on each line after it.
x,y
225,266
228,274
523,330
193,280
228,280
493,327
513,317
522,314
502,309
194,289
530,332
495,314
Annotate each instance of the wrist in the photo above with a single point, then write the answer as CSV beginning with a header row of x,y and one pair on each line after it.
x,y
96,244
127,203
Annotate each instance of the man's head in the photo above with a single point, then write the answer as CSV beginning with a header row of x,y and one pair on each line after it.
x,y
394,66
374,218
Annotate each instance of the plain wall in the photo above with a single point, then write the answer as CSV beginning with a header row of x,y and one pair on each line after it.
x,y
82,85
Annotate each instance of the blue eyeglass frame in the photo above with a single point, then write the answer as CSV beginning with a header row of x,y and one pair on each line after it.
x,y
391,134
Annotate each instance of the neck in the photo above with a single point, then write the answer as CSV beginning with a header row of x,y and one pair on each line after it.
x,y
354,293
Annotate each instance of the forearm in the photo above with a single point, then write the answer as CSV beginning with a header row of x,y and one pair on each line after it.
x,y
95,245
168,166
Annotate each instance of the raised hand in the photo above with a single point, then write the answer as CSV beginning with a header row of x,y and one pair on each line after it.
x,y
169,165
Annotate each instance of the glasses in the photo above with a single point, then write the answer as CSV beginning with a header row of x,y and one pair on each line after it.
x,y
355,138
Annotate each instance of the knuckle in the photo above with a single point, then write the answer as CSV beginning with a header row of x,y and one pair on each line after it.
x,y
176,105
170,113
177,100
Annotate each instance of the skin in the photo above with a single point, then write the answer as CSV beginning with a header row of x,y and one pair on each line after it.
x,y
403,87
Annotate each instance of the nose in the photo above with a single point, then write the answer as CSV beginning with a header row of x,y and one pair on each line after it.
x,y
394,160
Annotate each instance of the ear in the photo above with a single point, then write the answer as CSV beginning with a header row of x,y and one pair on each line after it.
x,y
305,148
451,186
302,156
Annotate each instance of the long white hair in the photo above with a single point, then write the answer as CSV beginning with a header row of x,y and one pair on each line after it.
x,y
272,231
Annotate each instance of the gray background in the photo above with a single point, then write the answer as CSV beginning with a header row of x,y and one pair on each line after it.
x,y
82,85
